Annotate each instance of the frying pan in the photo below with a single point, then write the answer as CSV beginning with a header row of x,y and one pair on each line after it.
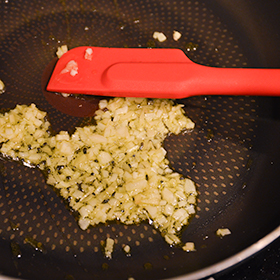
x,y
233,154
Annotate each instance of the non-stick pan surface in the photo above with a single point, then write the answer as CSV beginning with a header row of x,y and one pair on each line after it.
x,y
233,154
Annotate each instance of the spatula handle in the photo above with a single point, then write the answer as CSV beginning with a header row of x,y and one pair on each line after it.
x,y
180,80
156,73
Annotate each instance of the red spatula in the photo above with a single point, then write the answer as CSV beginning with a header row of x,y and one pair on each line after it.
x,y
154,73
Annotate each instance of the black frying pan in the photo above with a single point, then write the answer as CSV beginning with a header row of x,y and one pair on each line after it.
x,y
233,154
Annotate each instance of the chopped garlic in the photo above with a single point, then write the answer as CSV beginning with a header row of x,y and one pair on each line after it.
x,y
126,249
88,54
223,232
159,36
103,104
176,35
114,170
2,87
61,50
65,94
109,247
171,238
189,247
71,68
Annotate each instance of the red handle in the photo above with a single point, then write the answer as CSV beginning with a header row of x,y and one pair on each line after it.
x,y
179,80
157,73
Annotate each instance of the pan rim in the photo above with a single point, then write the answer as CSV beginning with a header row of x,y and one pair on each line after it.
x,y
233,260
220,266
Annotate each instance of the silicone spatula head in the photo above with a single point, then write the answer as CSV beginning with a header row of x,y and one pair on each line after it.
x,y
153,73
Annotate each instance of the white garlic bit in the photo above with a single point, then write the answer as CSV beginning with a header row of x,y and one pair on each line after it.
x,y
126,249
61,50
176,35
71,68
65,94
159,36
109,247
189,247
223,232
88,54
2,87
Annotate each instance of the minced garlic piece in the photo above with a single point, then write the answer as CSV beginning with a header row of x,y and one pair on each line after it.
x,y
159,36
88,54
189,247
71,68
65,94
223,231
109,247
61,50
176,35
126,249
2,87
